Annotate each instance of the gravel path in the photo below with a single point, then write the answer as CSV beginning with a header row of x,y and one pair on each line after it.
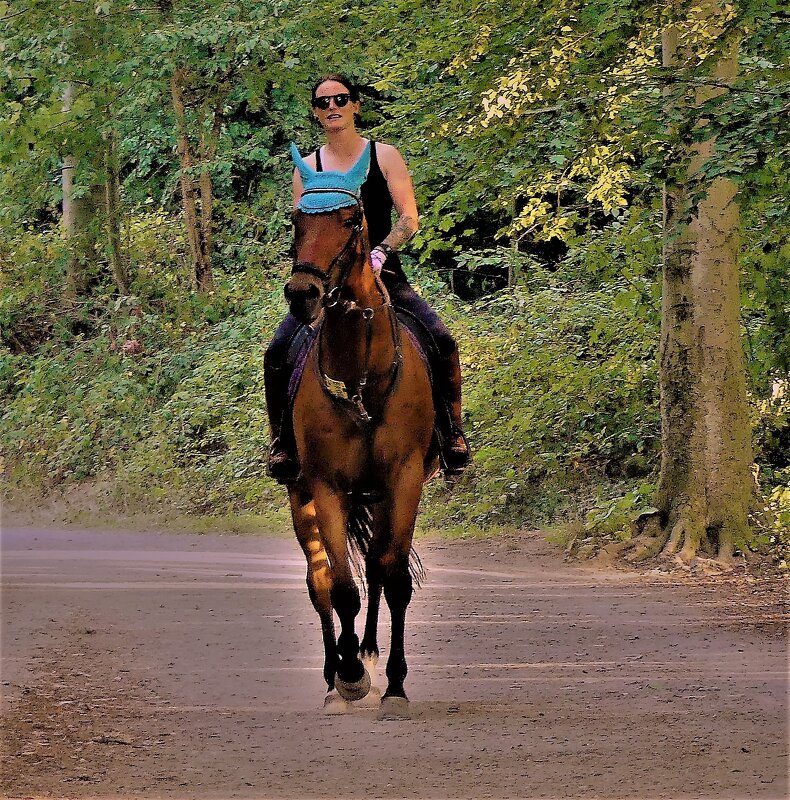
x,y
189,666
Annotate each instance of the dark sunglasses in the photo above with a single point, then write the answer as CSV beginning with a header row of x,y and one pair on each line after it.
x,y
323,102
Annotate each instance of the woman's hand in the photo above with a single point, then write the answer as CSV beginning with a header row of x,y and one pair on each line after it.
x,y
377,259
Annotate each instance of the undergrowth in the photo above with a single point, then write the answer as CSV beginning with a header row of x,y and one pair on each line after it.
x,y
162,402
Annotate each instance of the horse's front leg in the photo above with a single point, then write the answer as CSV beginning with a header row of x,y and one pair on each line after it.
x,y
402,507
319,581
352,680
369,649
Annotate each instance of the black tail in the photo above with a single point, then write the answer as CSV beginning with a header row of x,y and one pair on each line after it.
x,y
360,533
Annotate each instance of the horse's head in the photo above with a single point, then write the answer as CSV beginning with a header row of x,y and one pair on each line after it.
x,y
329,232
326,246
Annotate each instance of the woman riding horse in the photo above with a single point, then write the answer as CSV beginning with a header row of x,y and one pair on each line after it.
x,y
336,103
363,419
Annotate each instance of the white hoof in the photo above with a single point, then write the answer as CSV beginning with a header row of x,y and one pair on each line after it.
x,y
353,691
393,708
335,704
371,700
370,660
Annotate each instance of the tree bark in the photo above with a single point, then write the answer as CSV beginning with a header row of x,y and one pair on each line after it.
x,y
729,486
112,205
208,149
705,485
201,276
78,220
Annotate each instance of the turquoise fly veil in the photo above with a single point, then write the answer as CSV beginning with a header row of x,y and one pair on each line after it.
x,y
327,200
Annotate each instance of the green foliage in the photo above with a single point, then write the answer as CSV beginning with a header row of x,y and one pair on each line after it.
x,y
561,394
616,517
538,140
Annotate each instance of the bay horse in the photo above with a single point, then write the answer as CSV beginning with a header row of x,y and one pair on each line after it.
x,y
363,418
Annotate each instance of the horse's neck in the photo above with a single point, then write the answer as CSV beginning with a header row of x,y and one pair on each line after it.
x,y
345,354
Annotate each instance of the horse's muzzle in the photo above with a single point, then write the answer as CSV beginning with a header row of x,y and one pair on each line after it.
x,y
304,294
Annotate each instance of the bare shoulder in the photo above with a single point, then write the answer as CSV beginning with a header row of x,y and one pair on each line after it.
x,y
311,159
389,157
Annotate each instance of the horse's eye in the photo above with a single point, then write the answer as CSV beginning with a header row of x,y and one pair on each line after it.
x,y
349,223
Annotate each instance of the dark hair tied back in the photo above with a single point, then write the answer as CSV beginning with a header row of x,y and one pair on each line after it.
x,y
353,90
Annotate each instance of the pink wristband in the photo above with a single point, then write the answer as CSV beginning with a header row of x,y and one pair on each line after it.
x,y
377,259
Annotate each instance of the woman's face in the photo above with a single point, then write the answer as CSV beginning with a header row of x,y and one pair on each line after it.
x,y
334,118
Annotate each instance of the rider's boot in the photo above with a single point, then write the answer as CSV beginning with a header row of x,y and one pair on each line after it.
x,y
454,453
283,465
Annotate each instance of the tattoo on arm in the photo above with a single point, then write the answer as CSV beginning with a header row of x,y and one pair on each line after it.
x,y
401,232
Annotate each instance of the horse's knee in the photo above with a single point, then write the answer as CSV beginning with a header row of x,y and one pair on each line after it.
x,y
395,558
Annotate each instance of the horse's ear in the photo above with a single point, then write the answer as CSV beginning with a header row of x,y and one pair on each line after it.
x,y
305,170
357,174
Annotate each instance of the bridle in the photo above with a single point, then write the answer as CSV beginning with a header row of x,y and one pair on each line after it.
x,y
337,389
331,296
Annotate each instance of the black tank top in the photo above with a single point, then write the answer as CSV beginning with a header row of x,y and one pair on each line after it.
x,y
378,205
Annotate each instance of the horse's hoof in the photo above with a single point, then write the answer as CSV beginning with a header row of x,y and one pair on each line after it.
x,y
355,690
371,700
335,704
394,708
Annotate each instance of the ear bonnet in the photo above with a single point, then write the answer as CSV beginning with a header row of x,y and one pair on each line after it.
x,y
324,199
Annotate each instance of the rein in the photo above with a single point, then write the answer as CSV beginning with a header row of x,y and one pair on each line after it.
x,y
338,390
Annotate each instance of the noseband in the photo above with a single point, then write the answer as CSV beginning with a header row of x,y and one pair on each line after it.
x,y
331,295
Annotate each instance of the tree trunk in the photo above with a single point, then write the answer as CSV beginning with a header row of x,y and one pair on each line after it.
x,y
78,220
112,205
201,276
705,486
208,149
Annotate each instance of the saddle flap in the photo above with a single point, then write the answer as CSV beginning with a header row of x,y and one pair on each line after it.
x,y
420,338
297,357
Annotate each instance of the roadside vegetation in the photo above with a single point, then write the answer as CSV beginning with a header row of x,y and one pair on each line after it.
x,y
132,349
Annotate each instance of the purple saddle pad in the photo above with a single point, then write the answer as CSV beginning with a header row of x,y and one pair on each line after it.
x,y
297,357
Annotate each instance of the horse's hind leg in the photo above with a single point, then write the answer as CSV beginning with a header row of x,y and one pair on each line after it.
x,y
319,574
352,680
369,649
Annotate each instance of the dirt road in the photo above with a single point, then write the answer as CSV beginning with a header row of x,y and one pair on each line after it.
x,y
183,666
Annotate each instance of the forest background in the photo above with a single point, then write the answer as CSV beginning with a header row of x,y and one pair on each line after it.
x,y
145,232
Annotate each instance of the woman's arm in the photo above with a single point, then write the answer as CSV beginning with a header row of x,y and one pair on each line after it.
x,y
402,191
